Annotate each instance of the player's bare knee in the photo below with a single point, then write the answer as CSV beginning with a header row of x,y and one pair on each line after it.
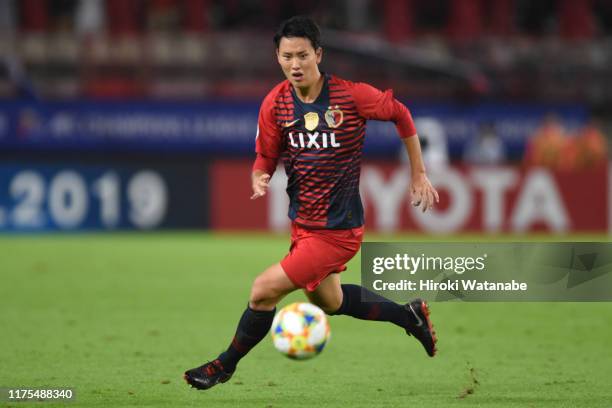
x,y
259,301
258,295
262,295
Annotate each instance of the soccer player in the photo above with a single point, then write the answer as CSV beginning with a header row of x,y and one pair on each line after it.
x,y
315,123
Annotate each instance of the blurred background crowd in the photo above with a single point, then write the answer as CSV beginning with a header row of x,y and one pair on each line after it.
x,y
546,50
519,82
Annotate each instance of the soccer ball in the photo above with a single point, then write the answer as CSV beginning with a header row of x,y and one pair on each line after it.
x,y
300,331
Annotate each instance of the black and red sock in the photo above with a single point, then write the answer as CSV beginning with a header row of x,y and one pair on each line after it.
x,y
252,328
375,308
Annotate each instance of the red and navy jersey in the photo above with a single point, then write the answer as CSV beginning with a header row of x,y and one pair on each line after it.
x,y
321,144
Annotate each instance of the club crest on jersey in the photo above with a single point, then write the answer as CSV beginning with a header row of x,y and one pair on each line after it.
x,y
334,117
311,121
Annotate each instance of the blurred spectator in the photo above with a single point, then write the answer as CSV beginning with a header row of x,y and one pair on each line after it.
x,y
585,149
12,70
7,17
552,147
90,17
591,147
568,154
433,144
545,145
486,147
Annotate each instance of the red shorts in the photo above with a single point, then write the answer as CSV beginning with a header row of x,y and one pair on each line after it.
x,y
315,253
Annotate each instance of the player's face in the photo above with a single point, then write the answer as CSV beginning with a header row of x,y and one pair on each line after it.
x,y
299,61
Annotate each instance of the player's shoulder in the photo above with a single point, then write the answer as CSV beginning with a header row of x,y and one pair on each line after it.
x,y
341,83
348,86
280,92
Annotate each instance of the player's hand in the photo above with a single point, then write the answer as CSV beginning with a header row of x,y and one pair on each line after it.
x,y
260,185
422,192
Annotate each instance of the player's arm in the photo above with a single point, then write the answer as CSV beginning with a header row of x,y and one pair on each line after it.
x,y
421,190
263,169
374,104
268,147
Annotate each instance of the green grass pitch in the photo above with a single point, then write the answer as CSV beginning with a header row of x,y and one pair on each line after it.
x,y
119,317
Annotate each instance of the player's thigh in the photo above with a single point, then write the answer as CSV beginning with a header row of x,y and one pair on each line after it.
x,y
271,285
328,295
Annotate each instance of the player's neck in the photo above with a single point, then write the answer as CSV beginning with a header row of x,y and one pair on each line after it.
x,y
311,93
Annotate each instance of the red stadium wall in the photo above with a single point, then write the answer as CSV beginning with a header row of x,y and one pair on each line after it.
x,y
472,199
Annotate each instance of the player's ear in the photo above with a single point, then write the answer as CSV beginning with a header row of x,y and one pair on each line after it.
x,y
319,54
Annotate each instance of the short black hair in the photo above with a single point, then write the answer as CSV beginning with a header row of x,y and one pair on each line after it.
x,y
299,26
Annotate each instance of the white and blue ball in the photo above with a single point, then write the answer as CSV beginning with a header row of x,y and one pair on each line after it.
x,y
300,331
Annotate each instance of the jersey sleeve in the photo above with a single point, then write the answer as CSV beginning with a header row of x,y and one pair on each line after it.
x,y
374,104
268,144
